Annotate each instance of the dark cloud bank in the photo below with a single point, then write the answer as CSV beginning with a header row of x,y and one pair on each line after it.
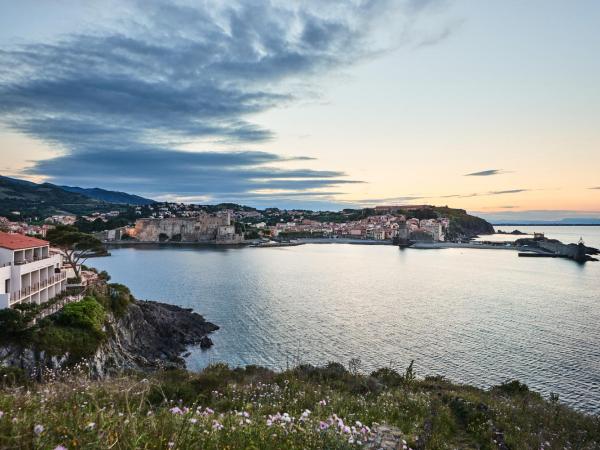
x,y
120,103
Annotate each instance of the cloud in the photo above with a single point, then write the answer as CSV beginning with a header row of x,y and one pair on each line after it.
x,y
409,199
595,187
220,174
508,191
486,173
119,102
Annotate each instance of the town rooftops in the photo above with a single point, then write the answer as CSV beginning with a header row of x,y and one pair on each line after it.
x,y
15,241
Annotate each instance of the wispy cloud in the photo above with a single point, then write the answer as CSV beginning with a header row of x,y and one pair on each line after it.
x,y
486,173
429,197
595,187
118,103
508,191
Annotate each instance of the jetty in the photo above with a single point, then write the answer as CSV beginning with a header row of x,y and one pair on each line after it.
x,y
537,247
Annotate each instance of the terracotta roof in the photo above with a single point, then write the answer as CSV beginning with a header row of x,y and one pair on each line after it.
x,y
15,241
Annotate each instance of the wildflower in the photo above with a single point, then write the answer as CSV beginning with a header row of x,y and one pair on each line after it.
x,y
90,426
60,447
209,411
350,440
171,444
323,403
38,429
193,420
347,429
1,414
358,424
323,425
216,425
176,410
269,422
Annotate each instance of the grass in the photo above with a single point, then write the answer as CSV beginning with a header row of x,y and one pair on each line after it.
x,y
304,408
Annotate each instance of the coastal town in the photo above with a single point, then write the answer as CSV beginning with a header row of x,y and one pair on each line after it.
x,y
31,271
192,223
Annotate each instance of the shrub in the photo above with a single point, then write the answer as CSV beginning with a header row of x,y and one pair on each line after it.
x,y
120,298
104,275
77,342
512,387
12,376
12,323
388,376
86,314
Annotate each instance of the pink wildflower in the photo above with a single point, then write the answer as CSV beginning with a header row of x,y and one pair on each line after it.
x,y
176,410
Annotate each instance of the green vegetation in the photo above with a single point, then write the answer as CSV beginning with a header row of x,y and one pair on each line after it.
x,y
77,330
33,200
57,340
303,408
75,245
12,323
86,314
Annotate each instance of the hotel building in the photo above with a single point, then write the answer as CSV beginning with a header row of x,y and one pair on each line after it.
x,y
29,271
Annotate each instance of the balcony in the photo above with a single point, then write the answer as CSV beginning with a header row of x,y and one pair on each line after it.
x,y
37,287
20,262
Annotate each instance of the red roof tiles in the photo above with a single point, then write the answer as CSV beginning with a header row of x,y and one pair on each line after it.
x,y
15,241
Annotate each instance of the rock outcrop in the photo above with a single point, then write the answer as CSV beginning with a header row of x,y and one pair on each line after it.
x,y
149,336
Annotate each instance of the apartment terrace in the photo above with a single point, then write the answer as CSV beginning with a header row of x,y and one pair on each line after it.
x,y
37,288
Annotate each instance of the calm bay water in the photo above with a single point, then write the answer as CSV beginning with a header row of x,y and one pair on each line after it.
x,y
475,316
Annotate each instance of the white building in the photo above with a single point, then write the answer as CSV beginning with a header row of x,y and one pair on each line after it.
x,y
29,272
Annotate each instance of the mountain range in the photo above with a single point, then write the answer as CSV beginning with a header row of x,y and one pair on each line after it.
x,y
23,199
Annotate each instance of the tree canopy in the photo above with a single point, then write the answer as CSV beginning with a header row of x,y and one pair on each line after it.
x,y
75,245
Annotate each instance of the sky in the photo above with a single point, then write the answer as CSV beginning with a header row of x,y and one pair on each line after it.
x,y
493,107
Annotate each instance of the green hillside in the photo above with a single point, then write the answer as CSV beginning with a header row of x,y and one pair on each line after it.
x,y
33,200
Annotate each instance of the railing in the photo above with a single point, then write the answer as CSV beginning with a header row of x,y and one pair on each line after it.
x,y
36,287
6,264
30,260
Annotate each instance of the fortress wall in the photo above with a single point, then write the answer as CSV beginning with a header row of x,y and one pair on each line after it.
x,y
192,229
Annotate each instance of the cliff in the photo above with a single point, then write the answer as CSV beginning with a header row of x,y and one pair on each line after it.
x,y
144,337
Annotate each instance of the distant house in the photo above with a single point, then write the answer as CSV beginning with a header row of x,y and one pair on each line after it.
x,y
29,272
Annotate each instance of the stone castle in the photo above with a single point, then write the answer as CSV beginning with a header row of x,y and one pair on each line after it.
x,y
207,228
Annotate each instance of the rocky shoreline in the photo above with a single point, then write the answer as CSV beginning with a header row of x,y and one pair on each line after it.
x,y
148,336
